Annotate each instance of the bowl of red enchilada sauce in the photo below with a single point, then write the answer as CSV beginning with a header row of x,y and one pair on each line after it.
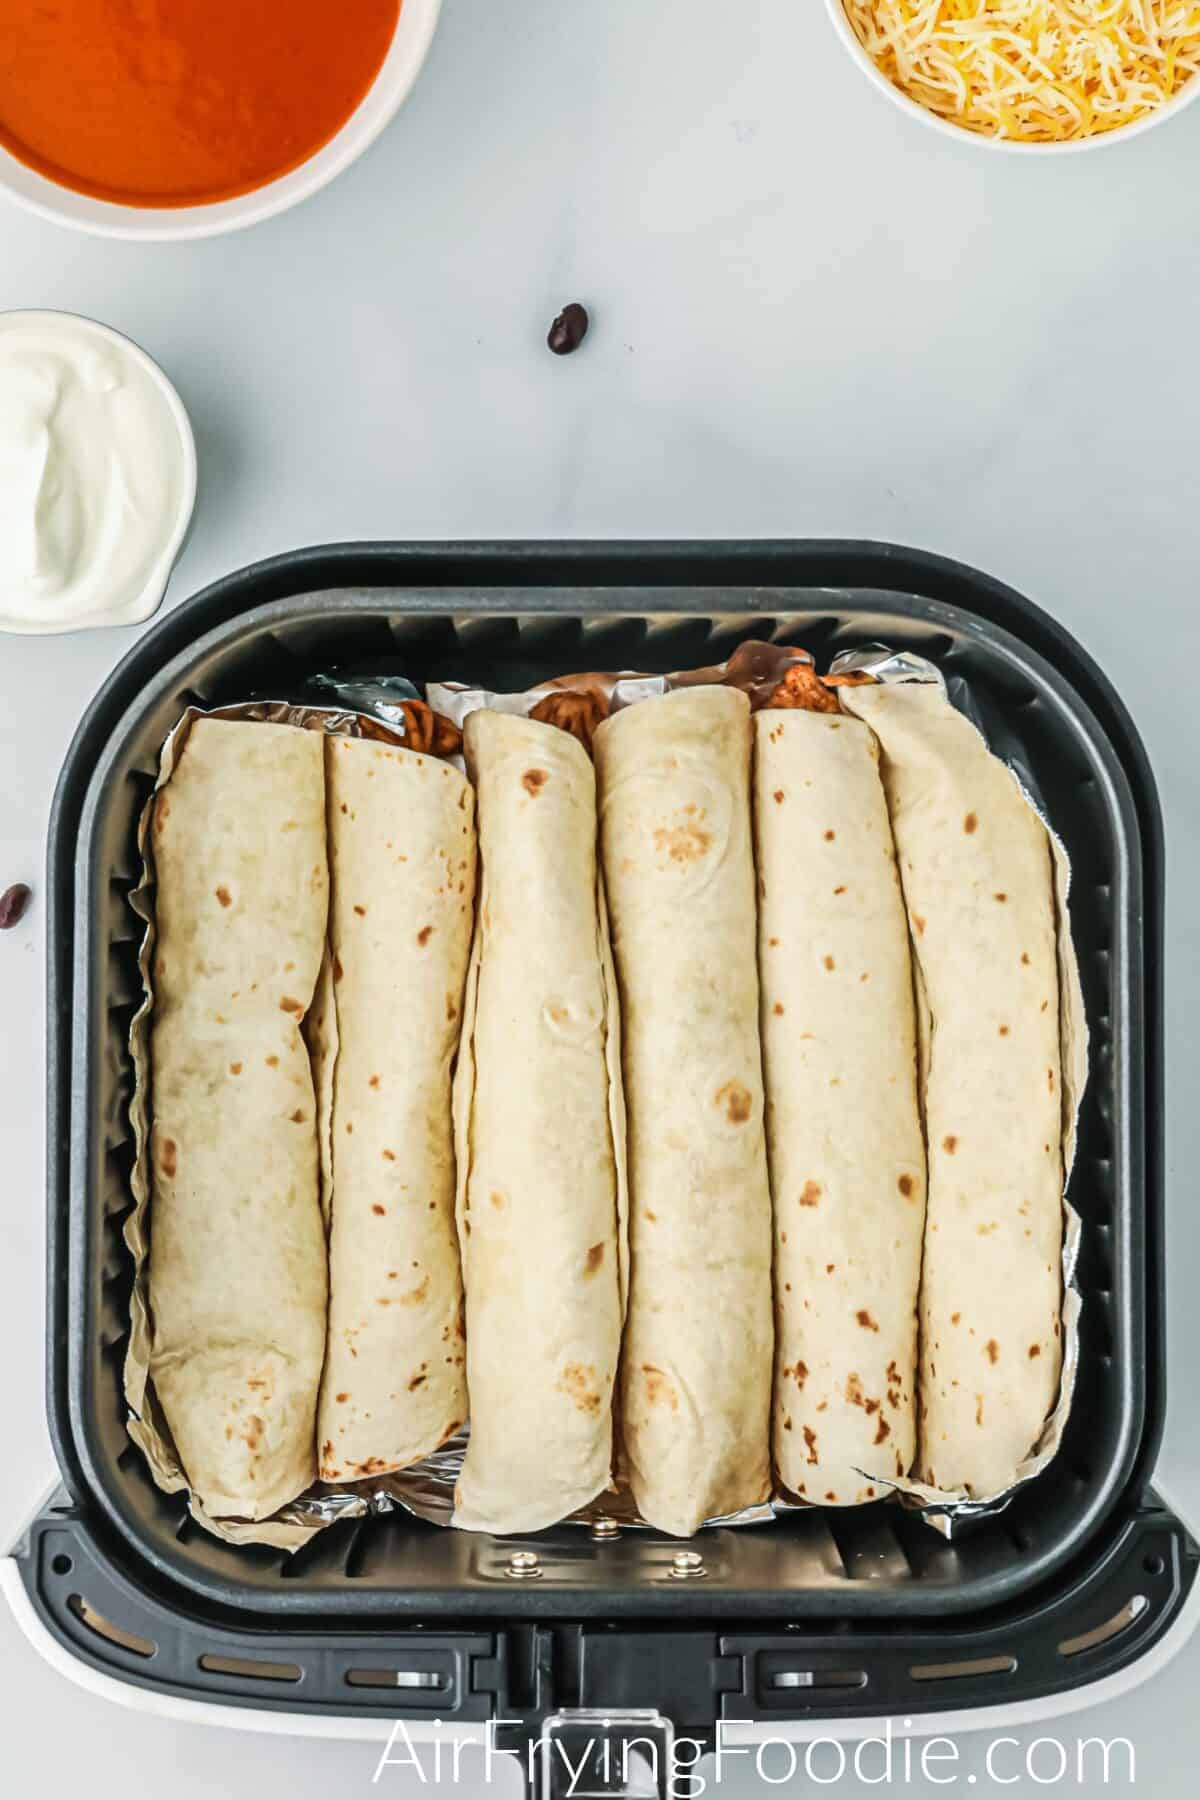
x,y
185,118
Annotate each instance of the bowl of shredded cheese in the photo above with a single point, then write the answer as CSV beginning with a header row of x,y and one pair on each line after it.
x,y
1029,75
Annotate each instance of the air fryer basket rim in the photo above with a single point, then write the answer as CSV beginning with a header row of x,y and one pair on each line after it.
x,y
755,581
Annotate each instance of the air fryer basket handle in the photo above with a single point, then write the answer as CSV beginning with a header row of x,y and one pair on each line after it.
x,y
553,1679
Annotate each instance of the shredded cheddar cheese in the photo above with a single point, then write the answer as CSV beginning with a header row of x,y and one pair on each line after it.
x,y
1035,71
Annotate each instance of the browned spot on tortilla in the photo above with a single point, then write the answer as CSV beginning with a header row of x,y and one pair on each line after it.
x,y
993,1350
1025,958
893,1395
424,935
288,1005
979,1409
1004,1031
224,896
338,970
376,1208
906,1185
1002,898
840,890
497,1200
830,1495
235,1068
1050,1079
778,1009
787,1424
918,924
829,836
388,1155
534,780
854,1391
595,1257
830,1267
652,1216
893,1373
416,1382
373,1082
451,1007
1034,1350
969,823
774,943
810,1440
955,1318
659,1391
684,843
865,1320
167,1160
252,1436
950,1143
558,1013
779,796
810,1193
416,1295
737,1101
799,1373
341,1399
297,1117
882,1430
829,962
578,1382
361,911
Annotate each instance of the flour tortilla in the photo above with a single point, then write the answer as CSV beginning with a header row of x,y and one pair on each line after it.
x,y
847,1156
978,879
237,1260
539,1219
674,786
402,864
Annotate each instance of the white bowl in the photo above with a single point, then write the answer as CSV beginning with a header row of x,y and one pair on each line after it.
x,y
175,530
915,110
379,106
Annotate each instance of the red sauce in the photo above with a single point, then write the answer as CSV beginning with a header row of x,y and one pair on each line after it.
x,y
181,102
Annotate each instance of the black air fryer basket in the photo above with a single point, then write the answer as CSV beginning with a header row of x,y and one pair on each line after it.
x,y
835,1614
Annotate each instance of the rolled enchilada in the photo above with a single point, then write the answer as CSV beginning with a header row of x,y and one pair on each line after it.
x,y
674,786
402,865
538,1171
846,1152
237,1280
976,868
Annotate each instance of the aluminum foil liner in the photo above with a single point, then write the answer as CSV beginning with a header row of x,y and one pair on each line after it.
x,y
382,706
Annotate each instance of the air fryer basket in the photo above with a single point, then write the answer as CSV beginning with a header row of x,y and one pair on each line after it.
x,y
869,1595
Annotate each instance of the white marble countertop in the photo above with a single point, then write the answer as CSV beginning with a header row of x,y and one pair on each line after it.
x,y
810,318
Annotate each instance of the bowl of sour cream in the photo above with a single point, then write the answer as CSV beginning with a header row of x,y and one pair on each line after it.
x,y
97,475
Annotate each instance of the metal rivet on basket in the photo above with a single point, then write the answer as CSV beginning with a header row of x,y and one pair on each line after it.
x,y
687,1565
605,1530
524,1565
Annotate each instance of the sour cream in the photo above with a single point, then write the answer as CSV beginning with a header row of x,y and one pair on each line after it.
x,y
97,475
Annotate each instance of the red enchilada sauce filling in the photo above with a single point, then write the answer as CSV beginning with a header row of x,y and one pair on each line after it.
x,y
183,102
